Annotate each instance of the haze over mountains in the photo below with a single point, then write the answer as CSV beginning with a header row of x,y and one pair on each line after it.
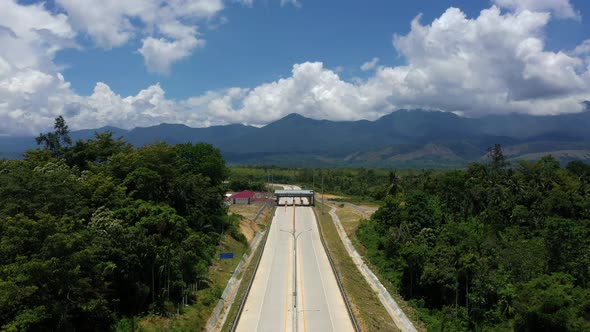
x,y
406,138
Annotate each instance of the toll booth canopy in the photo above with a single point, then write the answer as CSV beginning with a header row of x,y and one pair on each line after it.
x,y
309,194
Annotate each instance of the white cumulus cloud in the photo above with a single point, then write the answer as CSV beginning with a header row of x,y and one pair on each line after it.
x,y
168,28
560,8
160,53
370,64
30,85
496,62
583,49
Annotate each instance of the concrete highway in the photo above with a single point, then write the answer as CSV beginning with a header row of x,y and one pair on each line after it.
x,y
319,303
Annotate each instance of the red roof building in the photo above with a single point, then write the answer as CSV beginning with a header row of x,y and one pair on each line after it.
x,y
243,197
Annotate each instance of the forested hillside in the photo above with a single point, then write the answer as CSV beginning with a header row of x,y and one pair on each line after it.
x,y
95,231
492,247
404,139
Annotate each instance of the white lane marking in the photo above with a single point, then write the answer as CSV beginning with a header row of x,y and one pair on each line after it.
x,y
287,288
266,283
320,273
302,291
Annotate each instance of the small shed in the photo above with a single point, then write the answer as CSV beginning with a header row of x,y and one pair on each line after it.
x,y
244,197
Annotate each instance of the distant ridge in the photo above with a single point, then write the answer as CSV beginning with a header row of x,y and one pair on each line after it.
x,y
405,138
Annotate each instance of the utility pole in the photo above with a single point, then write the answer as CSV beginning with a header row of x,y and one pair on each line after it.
x,y
323,201
295,272
293,217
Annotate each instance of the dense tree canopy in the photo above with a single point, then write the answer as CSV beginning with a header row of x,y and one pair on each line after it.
x,y
359,182
491,246
98,230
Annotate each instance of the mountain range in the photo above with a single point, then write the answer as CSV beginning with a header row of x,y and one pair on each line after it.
x,y
402,139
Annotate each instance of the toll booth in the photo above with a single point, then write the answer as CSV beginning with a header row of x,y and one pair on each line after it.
x,y
301,194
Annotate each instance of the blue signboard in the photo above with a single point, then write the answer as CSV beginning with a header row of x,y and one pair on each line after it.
x,y
226,255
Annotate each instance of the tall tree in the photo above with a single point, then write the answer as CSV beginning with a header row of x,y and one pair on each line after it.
x,y
57,140
497,159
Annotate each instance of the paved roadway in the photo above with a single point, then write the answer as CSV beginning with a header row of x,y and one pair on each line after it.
x,y
269,306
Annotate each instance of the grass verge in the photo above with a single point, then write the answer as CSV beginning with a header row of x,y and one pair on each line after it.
x,y
247,210
350,219
367,308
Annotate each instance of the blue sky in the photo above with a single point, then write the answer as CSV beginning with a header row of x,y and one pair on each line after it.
x,y
206,62
261,43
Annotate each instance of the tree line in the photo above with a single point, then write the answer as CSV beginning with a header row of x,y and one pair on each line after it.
x,y
492,247
372,184
96,230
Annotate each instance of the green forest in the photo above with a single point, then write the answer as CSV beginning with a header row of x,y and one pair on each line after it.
x,y
498,246
494,247
95,231
361,183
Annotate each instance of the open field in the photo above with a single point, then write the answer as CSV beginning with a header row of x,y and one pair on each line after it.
x,y
247,225
248,228
246,210
331,196
350,218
